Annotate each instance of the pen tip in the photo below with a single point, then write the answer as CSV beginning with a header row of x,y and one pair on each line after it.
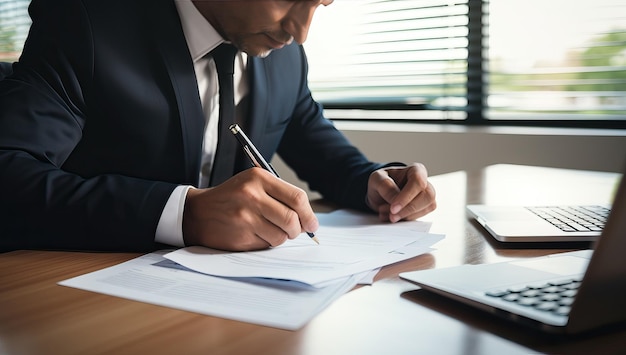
x,y
312,236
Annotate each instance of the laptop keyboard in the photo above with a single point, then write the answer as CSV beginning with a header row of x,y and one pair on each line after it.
x,y
574,218
555,296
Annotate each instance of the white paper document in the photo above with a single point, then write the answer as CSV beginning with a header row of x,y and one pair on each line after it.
x,y
350,243
271,303
282,287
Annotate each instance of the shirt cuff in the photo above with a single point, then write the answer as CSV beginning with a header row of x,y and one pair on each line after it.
x,y
170,228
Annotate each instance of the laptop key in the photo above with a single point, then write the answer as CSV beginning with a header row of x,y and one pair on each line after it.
x,y
566,301
562,311
569,293
546,306
552,289
538,286
578,227
550,297
512,297
572,286
497,293
518,289
530,293
528,301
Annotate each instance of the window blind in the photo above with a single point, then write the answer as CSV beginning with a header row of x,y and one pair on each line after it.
x,y
14,25
391,54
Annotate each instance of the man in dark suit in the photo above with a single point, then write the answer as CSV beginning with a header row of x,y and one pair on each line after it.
x,y
108,130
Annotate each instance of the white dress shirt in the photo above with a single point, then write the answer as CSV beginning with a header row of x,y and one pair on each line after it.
x,y
201,39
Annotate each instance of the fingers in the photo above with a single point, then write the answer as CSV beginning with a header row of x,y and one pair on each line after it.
x,y
401,193
286,215
216,219
382,189
422,204
275,209
290,207
414,180
253,210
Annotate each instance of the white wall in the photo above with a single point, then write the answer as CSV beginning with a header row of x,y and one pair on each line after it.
x,y
445,148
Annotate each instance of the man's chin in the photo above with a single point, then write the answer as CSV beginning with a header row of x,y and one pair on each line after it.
x,y
258,48
257,52
264,54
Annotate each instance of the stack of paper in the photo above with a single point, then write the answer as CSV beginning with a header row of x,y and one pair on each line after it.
x,y
282,287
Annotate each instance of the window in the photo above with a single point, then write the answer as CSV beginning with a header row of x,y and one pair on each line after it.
x,y
398,54
533,62
557,60
14,25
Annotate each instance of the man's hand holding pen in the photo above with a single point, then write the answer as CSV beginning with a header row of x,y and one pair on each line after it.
x,y
253,210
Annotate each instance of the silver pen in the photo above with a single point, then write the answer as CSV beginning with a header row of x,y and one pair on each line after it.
x,y
257,159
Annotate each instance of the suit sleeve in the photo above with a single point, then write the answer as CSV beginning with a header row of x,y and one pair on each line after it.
x,y
43,111
321,155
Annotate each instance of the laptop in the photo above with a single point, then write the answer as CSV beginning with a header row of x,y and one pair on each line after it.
x,y
569,292
519,224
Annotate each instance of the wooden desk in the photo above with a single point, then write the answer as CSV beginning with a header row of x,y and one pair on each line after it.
x,y
394,317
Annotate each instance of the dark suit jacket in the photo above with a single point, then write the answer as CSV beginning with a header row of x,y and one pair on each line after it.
x,y
102,119
5,69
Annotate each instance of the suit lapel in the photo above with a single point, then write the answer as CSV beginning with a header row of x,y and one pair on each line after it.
x,y
175,54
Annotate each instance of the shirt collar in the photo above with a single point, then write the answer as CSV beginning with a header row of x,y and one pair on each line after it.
x,y
200,35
